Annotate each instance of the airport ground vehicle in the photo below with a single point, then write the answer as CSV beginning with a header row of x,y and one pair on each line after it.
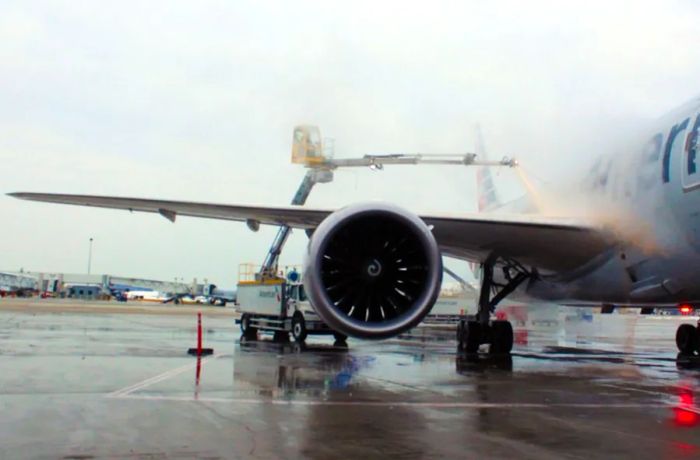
x,y
278,305
6,291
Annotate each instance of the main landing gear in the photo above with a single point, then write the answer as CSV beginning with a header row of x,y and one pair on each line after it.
x,y
688,339
475,331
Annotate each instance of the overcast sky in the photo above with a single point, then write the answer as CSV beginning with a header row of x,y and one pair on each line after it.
x,y
197,101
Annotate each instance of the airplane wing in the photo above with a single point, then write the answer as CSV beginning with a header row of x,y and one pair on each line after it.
x,y
546,243
294,216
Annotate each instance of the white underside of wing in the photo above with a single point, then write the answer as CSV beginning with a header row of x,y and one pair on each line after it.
x,y
549,243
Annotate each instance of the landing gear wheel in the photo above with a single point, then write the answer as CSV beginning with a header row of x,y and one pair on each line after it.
x,y
501,337
687,339
247,330
340,338
470,337
299,328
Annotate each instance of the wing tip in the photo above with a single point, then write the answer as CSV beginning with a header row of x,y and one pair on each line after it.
x,y
29,196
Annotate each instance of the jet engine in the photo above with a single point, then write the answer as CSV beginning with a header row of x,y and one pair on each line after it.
x,y
372,270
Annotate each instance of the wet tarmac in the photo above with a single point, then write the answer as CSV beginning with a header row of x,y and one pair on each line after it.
x,y
83,385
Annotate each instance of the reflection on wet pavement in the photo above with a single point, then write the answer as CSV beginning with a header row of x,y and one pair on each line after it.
x,y
577,385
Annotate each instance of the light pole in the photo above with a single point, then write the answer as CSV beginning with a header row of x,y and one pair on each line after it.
x,y
90,256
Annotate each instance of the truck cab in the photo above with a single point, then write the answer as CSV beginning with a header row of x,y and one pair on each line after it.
x,y
278,305
297,301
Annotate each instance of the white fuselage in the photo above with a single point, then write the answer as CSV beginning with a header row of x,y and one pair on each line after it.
x,y
648,197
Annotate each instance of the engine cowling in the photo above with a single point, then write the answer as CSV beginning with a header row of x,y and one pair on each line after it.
x,y
372,270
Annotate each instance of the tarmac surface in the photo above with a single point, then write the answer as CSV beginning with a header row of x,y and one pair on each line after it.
x,y
94,383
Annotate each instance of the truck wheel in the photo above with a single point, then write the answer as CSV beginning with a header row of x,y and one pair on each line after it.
x,y
299,328
246,329
340,338
280,337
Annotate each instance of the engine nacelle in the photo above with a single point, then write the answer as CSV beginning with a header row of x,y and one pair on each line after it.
x,y
373,270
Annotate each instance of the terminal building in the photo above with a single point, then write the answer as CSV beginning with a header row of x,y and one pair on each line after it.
x,y
91,286
11,282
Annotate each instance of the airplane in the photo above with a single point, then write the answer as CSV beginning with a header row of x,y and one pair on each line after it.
x,y
145,295
627,235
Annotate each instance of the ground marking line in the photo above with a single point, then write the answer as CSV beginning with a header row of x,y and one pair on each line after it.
x,y
159,378
168,373
638,390
655,393
447,405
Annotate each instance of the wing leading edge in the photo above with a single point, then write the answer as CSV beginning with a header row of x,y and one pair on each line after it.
x,y
543,242
293,216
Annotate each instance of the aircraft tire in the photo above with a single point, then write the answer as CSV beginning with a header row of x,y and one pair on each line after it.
x,y
246,329
501,337
687,339
471,337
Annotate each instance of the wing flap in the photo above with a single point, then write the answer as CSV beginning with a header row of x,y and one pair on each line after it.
x,y
558,245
